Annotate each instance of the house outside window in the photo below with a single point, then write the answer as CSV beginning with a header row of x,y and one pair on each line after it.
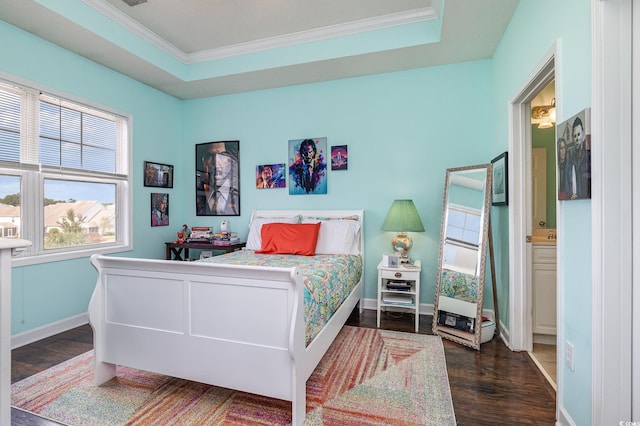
x,y
64,175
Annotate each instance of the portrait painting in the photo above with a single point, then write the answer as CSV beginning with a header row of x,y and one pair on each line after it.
x,y
308,166
270,176
500,187
159,209
218,178
158,175
339,157
573,155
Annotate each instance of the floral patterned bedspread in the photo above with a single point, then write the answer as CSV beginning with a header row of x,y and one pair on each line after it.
x,y
459,286
328,280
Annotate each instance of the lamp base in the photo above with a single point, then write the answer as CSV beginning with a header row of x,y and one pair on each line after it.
x,y
401,244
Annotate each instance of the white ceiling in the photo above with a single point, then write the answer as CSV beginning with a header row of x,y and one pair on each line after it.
x,y
190,42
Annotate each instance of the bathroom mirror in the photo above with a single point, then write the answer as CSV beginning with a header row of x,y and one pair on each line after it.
x,y
457,312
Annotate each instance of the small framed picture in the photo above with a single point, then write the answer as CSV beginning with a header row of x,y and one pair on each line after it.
x,y
159,209
271,176
158,175
500,190
390,260
339,157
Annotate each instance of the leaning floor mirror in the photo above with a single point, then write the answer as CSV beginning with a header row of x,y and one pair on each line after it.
x,y
457,313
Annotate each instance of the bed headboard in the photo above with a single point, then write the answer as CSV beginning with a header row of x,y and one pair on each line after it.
x,y
317,213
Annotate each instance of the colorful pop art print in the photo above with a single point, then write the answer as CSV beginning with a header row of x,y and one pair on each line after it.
x,y
271,176
308,166
339,157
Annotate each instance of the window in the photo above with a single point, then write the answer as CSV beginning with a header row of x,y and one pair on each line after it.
x,y
464,224
464,227
64,175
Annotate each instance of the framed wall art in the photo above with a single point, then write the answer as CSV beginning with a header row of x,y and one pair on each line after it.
x,y
339,157
218,178
158,175
500,190
307,166
270,176
159,209
574,157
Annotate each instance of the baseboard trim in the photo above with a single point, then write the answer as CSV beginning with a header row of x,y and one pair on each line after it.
x,y
564,419
545,339
372,304
48,330
503,332
424,308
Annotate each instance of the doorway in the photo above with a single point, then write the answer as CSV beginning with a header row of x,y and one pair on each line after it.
x,y
543,259
520,212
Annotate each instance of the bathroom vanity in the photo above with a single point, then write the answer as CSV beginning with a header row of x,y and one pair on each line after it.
x,y
544,283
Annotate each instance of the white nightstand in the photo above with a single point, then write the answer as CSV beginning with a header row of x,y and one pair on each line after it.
x,y
392,292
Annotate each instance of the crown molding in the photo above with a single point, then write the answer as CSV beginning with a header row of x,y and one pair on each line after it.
x,y
323,33
136,28
317,34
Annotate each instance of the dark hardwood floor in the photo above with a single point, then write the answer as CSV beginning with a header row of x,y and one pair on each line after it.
x,y
38,356
493,386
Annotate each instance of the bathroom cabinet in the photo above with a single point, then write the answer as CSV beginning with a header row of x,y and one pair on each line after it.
x,y
544,288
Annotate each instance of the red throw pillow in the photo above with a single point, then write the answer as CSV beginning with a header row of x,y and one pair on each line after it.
x,y
289,238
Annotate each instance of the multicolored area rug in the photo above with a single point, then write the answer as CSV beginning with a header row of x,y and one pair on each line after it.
x,y
367,377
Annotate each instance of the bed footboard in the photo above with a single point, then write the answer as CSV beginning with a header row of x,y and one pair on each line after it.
x,y
239,327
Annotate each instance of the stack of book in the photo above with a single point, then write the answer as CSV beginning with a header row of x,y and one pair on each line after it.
x,y
225,238
397,299
399,285
200,234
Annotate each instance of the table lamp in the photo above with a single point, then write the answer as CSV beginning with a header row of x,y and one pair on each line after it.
x,y
402,218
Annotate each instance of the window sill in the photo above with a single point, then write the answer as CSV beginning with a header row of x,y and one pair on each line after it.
x,y
68,255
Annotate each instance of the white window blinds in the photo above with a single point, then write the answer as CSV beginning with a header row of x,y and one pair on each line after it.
x,y
75,137
10,125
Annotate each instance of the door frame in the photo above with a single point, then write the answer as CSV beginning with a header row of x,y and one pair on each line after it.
x,y
520,292
614,211
635,290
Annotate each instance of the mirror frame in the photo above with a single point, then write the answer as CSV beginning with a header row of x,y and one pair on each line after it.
x,y
472,340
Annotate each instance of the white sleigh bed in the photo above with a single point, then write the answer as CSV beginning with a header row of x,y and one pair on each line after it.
x,y
235,326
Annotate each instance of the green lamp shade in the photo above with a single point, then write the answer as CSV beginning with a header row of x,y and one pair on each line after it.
x,y
403,217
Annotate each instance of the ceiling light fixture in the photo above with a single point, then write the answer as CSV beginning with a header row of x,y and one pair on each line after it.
x,y
545,113
134,2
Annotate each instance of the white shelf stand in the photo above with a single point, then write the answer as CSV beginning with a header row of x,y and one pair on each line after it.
x,y
400,298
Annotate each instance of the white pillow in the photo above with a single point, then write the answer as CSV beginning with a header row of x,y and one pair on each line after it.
x,y
254,239
337,236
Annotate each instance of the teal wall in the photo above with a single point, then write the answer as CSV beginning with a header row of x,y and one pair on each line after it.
x,y
394,124
535,27
46,293
465,196
403,130
546,138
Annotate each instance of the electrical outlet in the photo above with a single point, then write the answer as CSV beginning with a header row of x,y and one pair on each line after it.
x,y
569,356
